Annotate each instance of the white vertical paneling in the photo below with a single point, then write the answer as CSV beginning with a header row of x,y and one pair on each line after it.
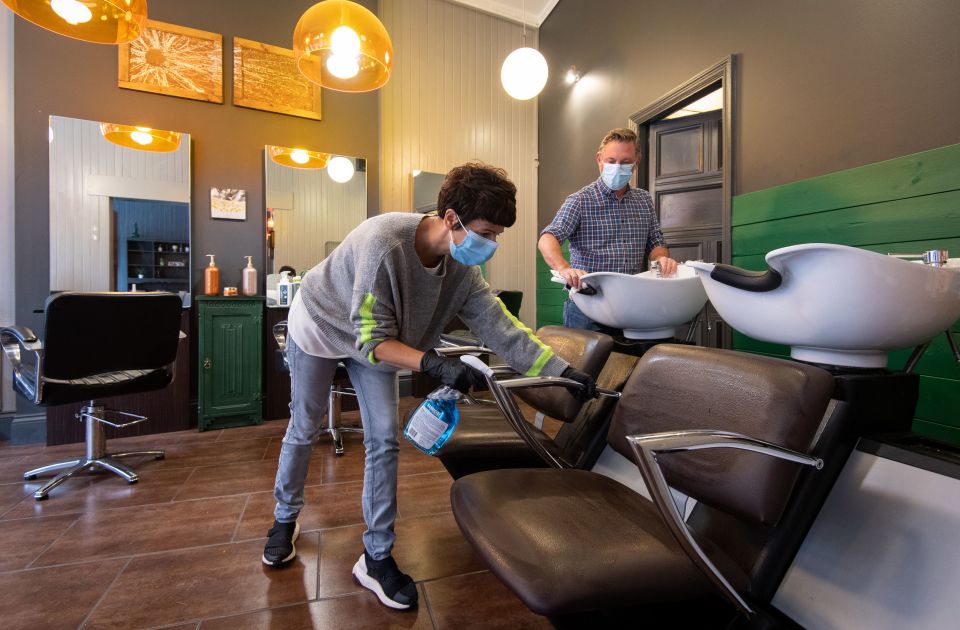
x,y
309,210
444,106
80,230
7,277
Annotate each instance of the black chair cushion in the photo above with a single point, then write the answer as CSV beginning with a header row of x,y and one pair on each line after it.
x,y
59,392
571,540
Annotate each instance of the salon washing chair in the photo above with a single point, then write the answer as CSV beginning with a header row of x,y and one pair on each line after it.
x,y
338,388
571,541
95,345
485,439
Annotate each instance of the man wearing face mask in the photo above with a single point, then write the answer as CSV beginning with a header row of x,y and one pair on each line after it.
x,y
377,304
611,226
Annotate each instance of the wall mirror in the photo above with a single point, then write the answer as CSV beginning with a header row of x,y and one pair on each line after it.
x,y
426,188
313,200
119,208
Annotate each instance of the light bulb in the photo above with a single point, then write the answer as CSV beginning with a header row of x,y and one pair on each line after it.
x,y
300,156
141,137
342,66
524,73
71,11
416,172
345,41
340,169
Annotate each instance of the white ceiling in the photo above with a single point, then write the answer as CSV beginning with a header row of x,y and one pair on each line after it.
x,y
532,12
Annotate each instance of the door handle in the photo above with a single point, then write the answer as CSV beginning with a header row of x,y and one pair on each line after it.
x,y
207,364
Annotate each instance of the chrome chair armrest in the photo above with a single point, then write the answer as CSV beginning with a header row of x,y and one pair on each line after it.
x,y
456,351
648,447
20,344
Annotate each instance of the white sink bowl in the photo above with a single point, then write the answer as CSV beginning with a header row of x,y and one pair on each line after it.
x,y
841,305
643,305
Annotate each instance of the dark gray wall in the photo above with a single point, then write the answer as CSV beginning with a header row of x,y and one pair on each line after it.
x,y
824,85
58,75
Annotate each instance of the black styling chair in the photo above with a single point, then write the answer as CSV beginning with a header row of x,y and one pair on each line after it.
x,y
744,435
95,345
338,388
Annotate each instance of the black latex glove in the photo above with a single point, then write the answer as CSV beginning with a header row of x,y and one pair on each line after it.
x,y
589,389
451,371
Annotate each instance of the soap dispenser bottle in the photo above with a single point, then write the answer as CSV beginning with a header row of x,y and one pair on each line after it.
x,y
249,285
211,278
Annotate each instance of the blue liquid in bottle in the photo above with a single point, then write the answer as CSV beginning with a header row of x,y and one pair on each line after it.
x,y
432,423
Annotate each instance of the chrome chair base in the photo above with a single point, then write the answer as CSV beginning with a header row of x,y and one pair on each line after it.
x,y
96,456
333,417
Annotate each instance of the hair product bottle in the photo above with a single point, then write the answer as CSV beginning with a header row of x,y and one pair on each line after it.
x,y
211,278
249,285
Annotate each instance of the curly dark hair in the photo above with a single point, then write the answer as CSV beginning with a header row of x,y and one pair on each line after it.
x,y
479,191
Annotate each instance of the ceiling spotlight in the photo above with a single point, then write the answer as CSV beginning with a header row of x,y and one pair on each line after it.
x,y
573,75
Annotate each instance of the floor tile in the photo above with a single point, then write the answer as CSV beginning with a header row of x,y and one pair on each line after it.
x,y
423,494
207,453
13,493
12,468
216,481
94,491
427,548
362,610
59,597
175,587
478,600
147,529
22,540
269,429
335,505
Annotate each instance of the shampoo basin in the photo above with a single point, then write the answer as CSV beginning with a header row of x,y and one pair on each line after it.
x,y
835,304
644,306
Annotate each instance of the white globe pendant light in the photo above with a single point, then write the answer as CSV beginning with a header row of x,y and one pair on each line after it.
x,y
340,169
524,73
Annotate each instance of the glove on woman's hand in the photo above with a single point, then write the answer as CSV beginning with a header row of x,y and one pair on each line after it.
x,y
450,371
589,389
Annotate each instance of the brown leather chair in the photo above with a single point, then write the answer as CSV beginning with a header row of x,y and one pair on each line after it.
x,y
484,440
568,541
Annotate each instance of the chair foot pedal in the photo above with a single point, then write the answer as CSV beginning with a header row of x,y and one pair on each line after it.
x,y
29,477
42,497
130,482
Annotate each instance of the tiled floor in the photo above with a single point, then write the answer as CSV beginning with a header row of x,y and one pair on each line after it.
x,y
181,549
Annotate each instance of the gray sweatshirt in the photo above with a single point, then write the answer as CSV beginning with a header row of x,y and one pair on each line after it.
x,y
373,287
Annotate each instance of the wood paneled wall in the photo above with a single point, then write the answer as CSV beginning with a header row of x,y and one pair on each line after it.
x,y
444,106
908,204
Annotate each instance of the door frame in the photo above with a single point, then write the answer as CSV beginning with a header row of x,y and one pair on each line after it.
x,y
724,73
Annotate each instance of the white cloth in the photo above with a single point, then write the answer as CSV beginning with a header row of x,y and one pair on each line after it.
x,y
307,334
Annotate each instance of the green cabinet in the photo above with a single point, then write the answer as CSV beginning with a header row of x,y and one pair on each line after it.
x,y
230,355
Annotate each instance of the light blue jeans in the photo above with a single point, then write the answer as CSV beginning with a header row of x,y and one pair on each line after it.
x,y
378,395
573,317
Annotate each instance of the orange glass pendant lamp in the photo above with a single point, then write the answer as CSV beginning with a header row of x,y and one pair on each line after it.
x,y
141,138
98,21
298,158
341,45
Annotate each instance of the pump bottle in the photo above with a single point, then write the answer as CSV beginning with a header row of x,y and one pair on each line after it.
x,y
211,278
249,285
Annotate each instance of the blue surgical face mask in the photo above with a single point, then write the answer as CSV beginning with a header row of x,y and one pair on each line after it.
x,y
474,249
616,176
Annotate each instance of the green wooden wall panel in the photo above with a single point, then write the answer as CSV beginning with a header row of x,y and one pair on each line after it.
x,y
939,400
757,262
550,295
937,431
931,217
749,344
933,171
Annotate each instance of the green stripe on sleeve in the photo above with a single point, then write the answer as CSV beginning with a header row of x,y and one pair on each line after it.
x,y
367,323
546,351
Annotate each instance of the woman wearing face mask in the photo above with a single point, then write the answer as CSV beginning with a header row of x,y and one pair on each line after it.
x,y
610,226
379,303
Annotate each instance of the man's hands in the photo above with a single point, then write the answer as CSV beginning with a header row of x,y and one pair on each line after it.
x,y
589,389
572,276
451,371
668,266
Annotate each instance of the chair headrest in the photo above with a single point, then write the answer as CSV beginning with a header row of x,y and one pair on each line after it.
x,y
586,351
677,388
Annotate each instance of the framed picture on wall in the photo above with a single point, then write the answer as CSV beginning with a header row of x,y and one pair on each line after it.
x,y
266,77
173,60
228,203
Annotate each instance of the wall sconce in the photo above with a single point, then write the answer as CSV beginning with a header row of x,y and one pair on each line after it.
x,y
341,45
141,138
100,22
573,75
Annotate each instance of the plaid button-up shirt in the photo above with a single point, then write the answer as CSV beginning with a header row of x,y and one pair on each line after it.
x,y
606,233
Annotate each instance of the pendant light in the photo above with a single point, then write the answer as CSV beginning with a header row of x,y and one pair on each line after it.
x,y
341,45
340,169
298,158
97,21
141,138
524,71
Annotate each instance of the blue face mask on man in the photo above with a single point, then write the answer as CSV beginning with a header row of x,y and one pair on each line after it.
x,y
474,249
616,176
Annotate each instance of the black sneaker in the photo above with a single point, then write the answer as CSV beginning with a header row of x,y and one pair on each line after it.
x,y
392,588
279,549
